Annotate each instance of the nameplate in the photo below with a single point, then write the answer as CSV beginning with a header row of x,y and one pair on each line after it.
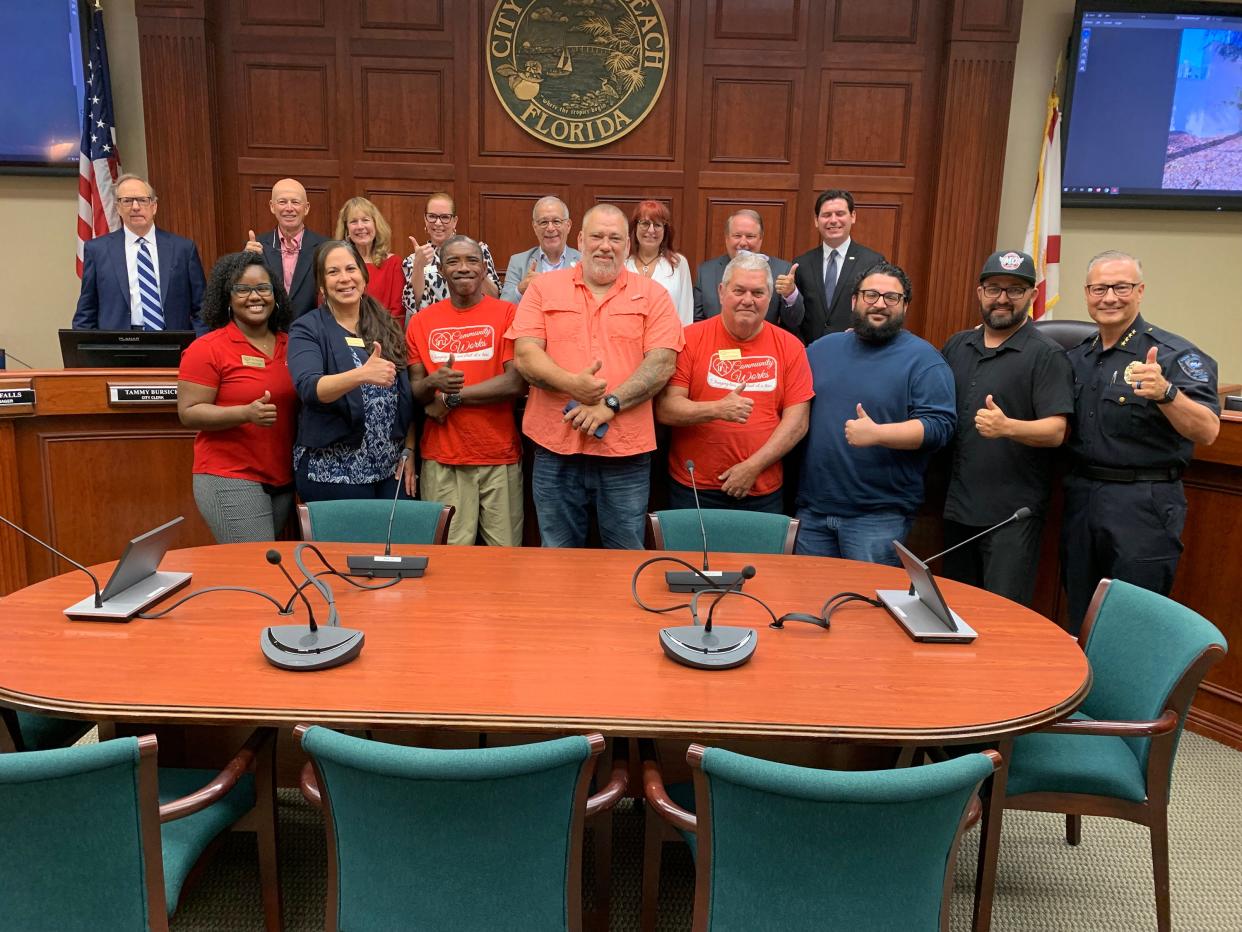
x,y
130,394
16,396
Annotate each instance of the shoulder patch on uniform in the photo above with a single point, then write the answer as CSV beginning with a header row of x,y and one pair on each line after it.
x,y
1192,365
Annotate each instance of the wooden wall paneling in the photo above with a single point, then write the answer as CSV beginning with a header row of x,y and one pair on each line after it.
x,y
743,23
289,13
404,15
869,121
751,118
288,104
869,21
776,210
987,20
13,569
402,109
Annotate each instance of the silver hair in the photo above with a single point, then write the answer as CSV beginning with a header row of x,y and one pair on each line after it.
x,y
744,212
549,199
1114,255
130,176
747,262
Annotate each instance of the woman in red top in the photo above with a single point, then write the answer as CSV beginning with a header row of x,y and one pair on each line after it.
x,y
234,389
361,223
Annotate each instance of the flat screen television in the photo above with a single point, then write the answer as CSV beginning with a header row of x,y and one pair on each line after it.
x,y
123,349
1153,114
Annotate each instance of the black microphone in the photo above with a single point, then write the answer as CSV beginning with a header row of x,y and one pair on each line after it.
x,y
294,647
1020,515
47,546
388,566
748,572
705,647
273,557
681,581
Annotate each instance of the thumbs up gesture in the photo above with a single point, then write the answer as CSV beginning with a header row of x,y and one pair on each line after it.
x,y
785,283
1148,378
377,370
530,273
423,255
860,431
447,379
261,411
252,243
587,388
990,420
733,407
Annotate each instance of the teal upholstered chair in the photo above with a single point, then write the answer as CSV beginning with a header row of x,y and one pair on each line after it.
x,y
728,531
365,521
1114,756
96,837
785,847
26,731
454,839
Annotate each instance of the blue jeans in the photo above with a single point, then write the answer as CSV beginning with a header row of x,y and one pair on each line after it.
x,y
565,487
867,537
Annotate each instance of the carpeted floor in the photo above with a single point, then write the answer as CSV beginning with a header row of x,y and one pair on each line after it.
x,y
1104,885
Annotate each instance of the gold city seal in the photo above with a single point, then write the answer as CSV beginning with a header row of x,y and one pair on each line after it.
x,y
577,73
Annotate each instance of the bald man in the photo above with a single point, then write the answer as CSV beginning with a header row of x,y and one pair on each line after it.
x,y
289,250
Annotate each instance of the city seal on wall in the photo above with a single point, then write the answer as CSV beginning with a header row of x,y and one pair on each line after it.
x,y
577,73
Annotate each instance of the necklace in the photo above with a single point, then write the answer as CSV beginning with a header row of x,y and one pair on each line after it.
x,y
647,266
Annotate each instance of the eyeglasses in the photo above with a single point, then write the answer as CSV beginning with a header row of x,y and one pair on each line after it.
x,y
131,201
1120,289
1013,292
891,298
556,223
439,218
244,291
650,225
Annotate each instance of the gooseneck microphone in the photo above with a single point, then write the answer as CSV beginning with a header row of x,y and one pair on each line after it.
x,y
1020,515
47,546
299,648
708,646
273,557
692,582
388,566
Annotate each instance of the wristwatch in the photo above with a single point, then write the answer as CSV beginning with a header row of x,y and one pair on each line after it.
x,y
451,401
613,403
1169,394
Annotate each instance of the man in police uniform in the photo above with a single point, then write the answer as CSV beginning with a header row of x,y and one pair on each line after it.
x,y
1143,398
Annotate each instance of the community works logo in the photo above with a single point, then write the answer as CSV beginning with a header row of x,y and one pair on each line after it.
x,y
758,373
467,344
577,73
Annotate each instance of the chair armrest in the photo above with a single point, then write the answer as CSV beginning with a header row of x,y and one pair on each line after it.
x,y
1161,726
222,783
608,796
310,786
658,799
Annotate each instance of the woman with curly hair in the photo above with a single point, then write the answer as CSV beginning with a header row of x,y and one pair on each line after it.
x,y
347,359
652,254
234,388
361,223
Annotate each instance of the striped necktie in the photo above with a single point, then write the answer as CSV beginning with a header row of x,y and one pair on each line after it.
x,y
148,289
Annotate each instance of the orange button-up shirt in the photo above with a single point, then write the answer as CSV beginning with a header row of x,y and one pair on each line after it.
x,y
633,318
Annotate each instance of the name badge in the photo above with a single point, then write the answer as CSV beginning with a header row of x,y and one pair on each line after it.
x,y
355,341
254,362
728,354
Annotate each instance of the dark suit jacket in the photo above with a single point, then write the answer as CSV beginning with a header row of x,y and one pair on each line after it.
x,y
809,278
104,301
707,297
303,295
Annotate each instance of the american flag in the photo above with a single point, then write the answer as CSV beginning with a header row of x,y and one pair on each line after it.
x,y
1043,231
99,163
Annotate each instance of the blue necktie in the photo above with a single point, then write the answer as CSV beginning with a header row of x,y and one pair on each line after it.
x,y
148,289
830,278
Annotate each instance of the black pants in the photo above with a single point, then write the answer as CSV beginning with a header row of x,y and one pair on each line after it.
x,y
1130,531
1004,562
682,496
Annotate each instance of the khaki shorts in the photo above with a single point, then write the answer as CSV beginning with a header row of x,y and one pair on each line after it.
x,y
487,499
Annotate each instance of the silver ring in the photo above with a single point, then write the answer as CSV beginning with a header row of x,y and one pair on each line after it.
x,y
1138,385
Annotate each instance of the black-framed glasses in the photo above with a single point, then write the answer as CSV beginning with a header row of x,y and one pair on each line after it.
x,y
871,296
1013,292
131,201
439,218
244,291
1120,289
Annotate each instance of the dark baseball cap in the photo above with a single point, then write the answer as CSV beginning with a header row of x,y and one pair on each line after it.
x,y
1009,262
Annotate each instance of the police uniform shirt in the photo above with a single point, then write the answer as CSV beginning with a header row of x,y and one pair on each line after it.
x,y
1114,427
1029,378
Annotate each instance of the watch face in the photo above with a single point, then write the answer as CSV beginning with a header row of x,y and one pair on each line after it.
x,y
612,401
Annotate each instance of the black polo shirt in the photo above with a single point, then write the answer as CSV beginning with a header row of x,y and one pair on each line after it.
x,y
1028,378
1116,428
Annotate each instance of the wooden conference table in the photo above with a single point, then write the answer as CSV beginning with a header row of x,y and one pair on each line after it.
x,y
536,640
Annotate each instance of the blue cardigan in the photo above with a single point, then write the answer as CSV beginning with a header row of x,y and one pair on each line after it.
x,y
316,349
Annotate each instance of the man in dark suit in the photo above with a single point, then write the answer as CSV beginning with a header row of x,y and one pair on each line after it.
x,y
140,277
744,233
289,250
826,276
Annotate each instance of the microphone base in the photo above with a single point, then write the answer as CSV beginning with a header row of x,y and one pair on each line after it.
x,y
129,602
381,567
685,581
296,647
719,649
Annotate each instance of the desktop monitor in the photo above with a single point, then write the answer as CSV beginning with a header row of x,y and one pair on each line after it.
x,y
123,349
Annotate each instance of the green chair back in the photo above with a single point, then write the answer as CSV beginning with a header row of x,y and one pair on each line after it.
x,y
1140,644
728,531
72,851
452,839
365,521
785,847
28,731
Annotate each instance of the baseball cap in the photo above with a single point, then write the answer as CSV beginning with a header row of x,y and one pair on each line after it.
x,y
1009,262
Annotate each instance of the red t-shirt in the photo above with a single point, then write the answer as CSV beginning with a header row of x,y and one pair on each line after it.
x,y
482,435
385,284
226,361
777,375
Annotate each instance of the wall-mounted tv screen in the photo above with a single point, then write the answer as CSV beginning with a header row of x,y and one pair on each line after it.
x,y
1154,106
41,69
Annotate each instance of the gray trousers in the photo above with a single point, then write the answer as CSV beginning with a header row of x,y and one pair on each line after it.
x,y
240,511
